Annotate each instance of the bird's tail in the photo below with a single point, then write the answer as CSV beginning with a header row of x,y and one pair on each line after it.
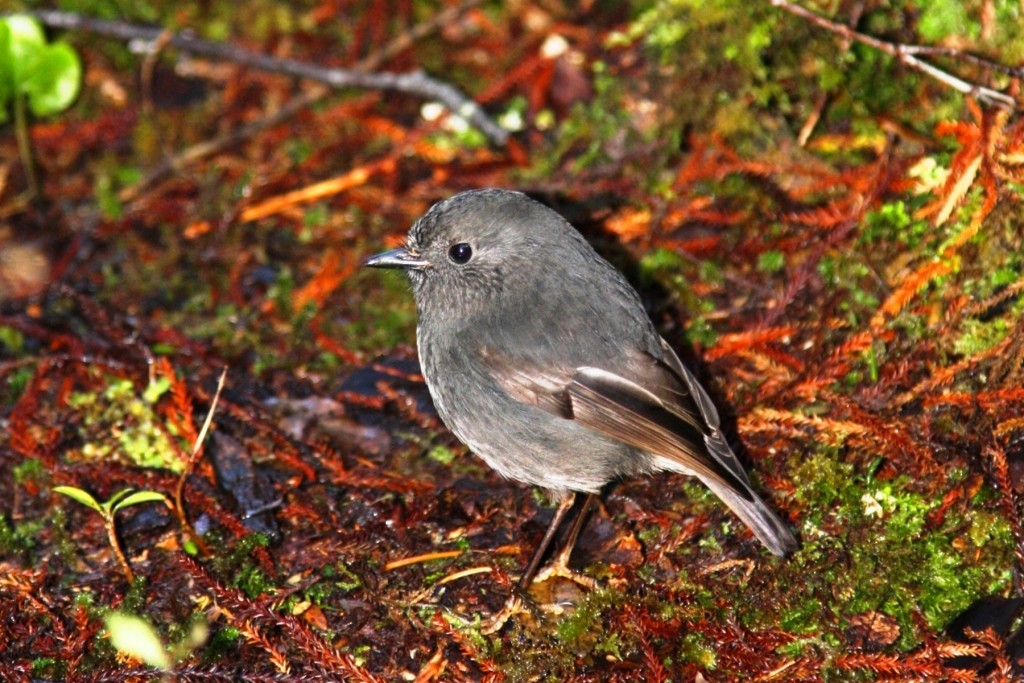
x,y
756,514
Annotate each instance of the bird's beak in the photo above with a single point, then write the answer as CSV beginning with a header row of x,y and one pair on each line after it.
x,y
397,258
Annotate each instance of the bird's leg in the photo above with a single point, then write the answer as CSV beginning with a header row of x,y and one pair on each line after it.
x,y
531,569
515,604
560,564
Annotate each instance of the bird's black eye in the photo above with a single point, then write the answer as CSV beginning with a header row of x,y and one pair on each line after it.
x,y
460,253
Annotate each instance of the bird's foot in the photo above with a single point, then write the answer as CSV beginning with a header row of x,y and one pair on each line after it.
x,y
513,606
559,568
546,596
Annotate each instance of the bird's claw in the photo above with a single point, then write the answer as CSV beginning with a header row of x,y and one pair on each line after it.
x,y
513,606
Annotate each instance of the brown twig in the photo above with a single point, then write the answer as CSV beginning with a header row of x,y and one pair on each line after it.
x,y
414,83
197,453
292,107
907,55
111,528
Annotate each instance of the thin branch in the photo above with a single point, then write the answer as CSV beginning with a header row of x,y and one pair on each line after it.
x,y
981,62
292,107
190,466
414,83
907,55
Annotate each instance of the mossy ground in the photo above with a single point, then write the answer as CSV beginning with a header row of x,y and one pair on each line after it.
x,y
867,356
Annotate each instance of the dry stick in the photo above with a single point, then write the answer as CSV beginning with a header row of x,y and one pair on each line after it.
x,y
413,83
939,51
906,54
148,69
190,466
115,545
292,107
420,559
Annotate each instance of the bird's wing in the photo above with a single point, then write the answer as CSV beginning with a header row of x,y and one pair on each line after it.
x,y
624,410
653,405
699,398
658,406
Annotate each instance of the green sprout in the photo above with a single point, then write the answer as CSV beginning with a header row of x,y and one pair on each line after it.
x,y
135,636
107,510
45,76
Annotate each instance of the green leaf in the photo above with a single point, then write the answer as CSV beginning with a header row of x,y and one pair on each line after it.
x,y
48,75
113,500
81,496
771,261
26,41
6,70
141,497
55,80
135,636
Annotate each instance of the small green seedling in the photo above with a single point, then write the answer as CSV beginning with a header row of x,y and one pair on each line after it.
x,y
134,636
107,510
44,76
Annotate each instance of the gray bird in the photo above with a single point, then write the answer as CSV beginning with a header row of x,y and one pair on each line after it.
x,y
539,356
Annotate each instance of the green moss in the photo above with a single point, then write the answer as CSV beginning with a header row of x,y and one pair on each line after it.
x,y
593,133
360,654
701,598
222,643
802,616
1006,275
20,538
579,628
696,648
344,578
773,261
893,222
555,655
12,343
854,284
977,336
661,260
112,178
31,471
49,668
760,70
136,596
868,546
14,385
676,274
281,291
118,423
942,18
12,340
442,454
253,581
66,544
241,571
